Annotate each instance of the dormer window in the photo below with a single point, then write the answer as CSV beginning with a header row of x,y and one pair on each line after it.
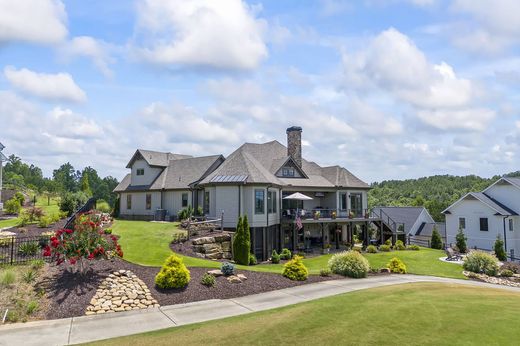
x,y
140,171
288,172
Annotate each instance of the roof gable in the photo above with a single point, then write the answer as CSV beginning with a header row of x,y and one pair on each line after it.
x,y
155,158
288,162
505,181
491,203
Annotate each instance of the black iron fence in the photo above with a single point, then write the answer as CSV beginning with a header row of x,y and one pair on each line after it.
x,y
17,250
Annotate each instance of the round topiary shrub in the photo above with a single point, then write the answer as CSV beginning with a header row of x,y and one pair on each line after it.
x,y
399,245
385,248
349,263
295,269
252,259
285,254
396,266
371,249
413,247
325,272
208,280
173,274
481,262
275,257
507,273
227,268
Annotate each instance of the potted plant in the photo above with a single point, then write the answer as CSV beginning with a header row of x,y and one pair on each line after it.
x,y
317,215
367,215
333,215
350,215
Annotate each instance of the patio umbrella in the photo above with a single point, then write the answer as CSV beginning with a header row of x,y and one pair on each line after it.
x,y
298,196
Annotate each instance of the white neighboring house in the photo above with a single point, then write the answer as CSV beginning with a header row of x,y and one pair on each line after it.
x,y
485,215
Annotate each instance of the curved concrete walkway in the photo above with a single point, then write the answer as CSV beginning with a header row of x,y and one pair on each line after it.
x,y
97,327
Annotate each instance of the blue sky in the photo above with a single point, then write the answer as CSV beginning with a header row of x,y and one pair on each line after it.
x,y
390,89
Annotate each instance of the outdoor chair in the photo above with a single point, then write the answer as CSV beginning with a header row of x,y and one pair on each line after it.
x,y
451,255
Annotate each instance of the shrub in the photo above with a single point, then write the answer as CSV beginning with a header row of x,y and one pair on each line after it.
x,y
23,219
31,307
173,274
7,278
460,241
29,248
275,257
371,249
185,213
295,269
506,273
399,245
241,242
29,276
252,259
413,247
512,266
37,264
12,316
107,231
70,202
35,213
227,268
388,242
208,280
384,248
325,272
285,254
199,211
44,221
349,263
103,206
5,241
396,266
436,241
117,206
12,206
481,262
19,197
55,218
500,252
62,215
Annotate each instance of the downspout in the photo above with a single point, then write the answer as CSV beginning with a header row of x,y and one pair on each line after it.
x,y
239,200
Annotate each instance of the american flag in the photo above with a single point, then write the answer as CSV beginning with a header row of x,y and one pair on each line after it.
x,y
299,224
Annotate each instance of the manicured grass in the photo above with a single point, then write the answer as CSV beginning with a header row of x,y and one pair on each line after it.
x,y
410,314
8,223
41,202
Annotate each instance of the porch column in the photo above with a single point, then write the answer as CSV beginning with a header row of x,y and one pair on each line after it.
x,y
344,234
322,236
381,228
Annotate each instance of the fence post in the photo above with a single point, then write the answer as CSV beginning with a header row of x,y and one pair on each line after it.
x,y
408,239
12,250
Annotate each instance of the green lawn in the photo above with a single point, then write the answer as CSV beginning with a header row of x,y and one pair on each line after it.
x,y
147,243
411,314
41,202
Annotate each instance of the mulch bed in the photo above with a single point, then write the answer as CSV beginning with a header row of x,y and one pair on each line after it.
x,y
69,294
33,230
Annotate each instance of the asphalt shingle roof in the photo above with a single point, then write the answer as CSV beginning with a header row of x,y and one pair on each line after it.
x,y
493,203
156,158
406,215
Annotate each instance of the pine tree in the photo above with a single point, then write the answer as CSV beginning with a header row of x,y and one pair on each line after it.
x,y
500,252
85,185
436,242
460,240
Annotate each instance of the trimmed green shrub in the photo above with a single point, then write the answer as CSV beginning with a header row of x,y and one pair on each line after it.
x,y
227,268
252,259
7,278
208,280
481,262
44,221
12,206
399,245
117,206
436,241
506,273
185,213
460,241
19,197
295,269
413,247
388,242
31,307
275,257
285,254
241,242
396,266
385,248
371,249
173,274
29,248
500,252
70,202
325,272
103,206
349,263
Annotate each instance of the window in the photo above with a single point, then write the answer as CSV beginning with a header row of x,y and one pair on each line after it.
x,y
184,200
356,204
128,201
148,201
288,172
206,202
343,201
511,225
259,202
271,202
484,224
462,223
140,171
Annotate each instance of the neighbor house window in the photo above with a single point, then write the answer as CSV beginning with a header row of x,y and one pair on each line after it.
x,y
128,201
259,202
511,225
343,201
271,202
288,172
184,200
462,223
140,171
148,201
206,202
484,224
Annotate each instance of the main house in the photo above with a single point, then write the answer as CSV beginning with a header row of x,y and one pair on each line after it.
x,y
486,215
252,181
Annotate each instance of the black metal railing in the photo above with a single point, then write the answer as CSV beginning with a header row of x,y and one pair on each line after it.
x,y
16,250
91,204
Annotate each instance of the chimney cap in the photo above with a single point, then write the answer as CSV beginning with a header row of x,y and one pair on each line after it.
x,y
294,128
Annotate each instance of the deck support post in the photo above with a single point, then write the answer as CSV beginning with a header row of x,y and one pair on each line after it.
x,y
322,237
294,237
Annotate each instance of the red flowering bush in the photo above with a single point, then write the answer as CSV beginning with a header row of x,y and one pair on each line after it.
x,y
84,243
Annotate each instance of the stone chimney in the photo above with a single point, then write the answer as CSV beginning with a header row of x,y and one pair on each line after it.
x,y
294,144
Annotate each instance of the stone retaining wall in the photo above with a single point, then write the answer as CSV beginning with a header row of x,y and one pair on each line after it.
x,y
217,246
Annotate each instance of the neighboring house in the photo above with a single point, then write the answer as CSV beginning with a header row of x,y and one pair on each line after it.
x,y
416,223
252,181
485,215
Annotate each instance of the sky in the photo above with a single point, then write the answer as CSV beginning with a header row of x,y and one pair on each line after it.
x,y
389,89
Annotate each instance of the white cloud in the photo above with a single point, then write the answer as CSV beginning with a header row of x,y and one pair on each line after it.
x,y
475,119
86,46
58,86
39,21
223,35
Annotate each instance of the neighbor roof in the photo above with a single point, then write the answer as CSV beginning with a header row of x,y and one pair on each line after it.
x,y
406,215
492,203
426,228
155,158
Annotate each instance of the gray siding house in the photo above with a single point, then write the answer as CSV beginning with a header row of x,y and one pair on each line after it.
x,y
253,181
